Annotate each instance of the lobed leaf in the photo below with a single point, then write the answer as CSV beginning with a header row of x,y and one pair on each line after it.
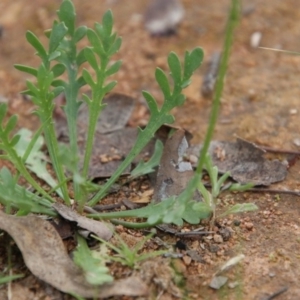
x,y
66,14
192,61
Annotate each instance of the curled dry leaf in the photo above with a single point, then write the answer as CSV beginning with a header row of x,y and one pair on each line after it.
x,y
101,229
244,161
46,257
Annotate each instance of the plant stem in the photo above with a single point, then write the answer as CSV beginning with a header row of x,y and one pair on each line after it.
x,y
231,24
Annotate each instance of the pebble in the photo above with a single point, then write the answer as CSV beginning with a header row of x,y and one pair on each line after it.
x,y
255,39
249,225
218,238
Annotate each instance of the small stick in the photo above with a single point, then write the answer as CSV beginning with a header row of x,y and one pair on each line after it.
x,y
278,293
283,151
266,190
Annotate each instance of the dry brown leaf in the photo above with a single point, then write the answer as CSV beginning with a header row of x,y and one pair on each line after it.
x,y
101,229
46,257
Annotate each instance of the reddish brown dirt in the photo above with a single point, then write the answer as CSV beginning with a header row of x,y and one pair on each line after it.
x,y
260,103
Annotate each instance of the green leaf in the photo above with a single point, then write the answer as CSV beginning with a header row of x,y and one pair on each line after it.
x,y
151,103
94,40
26,69
113,68
58,82
11,124
238,208
108,22
163,82
88,78
175,67
94,268
57,91
58,70
115,46
54,55
80,33
91,58
36,160
57,34
80,59
3,110
192,61
16,196
6,279
241,187
36,44
109,87
144,168
66,14
32,88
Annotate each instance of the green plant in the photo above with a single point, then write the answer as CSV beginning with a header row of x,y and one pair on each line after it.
x,y
210,197
61,57
183,208
6,279
129,256
94,267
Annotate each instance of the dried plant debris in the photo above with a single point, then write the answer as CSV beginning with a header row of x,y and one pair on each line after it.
x,y
174,173
162,17
101,229
114,116
46,257
244,161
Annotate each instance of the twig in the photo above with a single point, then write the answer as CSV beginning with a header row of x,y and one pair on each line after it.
x,y
266,190
278,293
283,151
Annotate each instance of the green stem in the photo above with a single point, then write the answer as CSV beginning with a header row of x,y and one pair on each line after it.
x,y
52,146
141,141
232,22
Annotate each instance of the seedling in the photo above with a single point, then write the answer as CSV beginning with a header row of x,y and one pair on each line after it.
x,y
94,267
129,256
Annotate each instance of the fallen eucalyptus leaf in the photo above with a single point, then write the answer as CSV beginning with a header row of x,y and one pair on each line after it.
x,y
100,229
244,161
46,257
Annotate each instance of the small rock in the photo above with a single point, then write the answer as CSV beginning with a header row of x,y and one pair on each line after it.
x,y
218,238
236,222
233,284
217,282
187,260
225,233
255,39
162,17
249,225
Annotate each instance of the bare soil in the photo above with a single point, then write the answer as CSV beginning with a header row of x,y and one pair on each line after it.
x,y
260,104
